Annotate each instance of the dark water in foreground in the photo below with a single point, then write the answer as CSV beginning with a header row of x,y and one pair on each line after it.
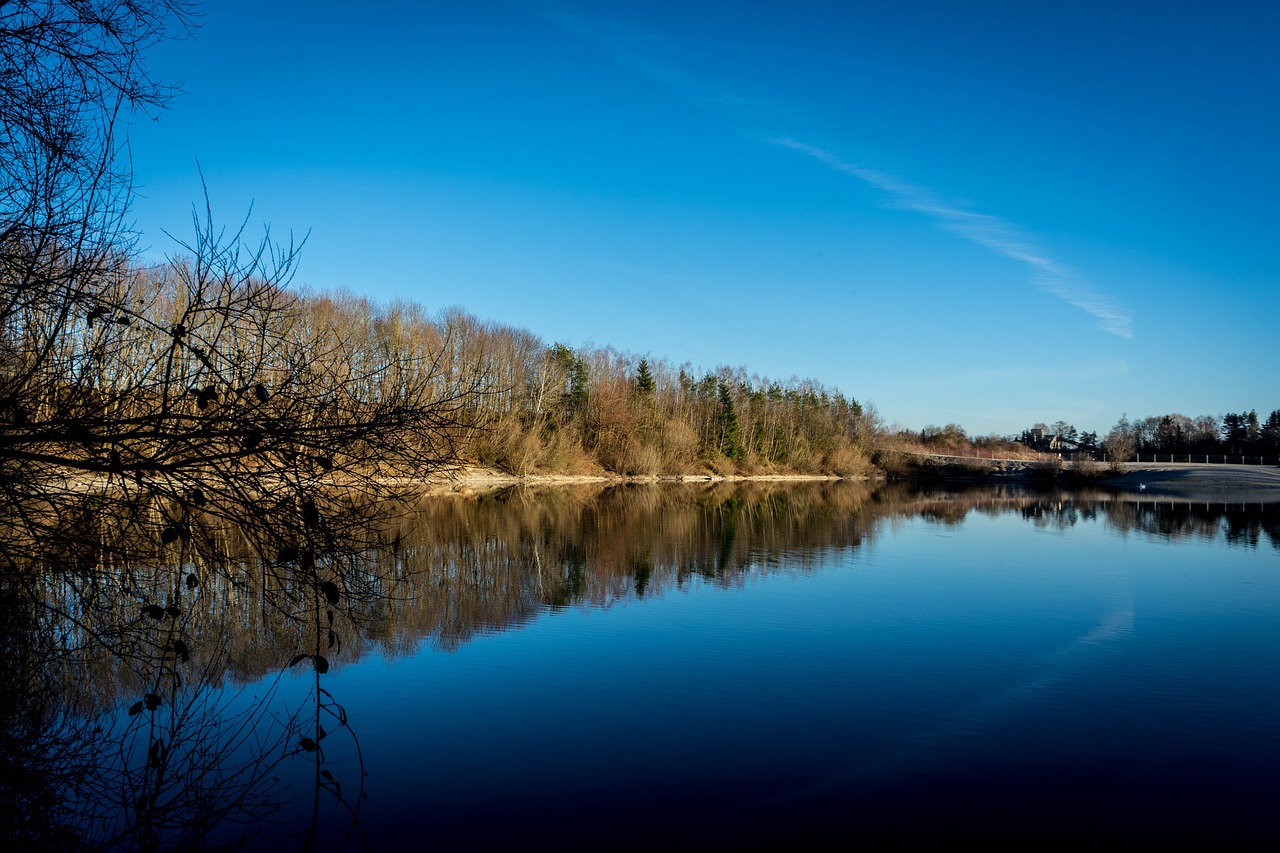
x,y
733,667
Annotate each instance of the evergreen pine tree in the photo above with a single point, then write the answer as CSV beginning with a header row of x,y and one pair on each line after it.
x,y
644,381
730,437
1271,430
1234,430
579,388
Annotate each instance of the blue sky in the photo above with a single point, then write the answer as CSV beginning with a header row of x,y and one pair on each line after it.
x,y
986,213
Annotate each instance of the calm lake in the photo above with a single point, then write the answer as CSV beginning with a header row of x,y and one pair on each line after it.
x,y
725,666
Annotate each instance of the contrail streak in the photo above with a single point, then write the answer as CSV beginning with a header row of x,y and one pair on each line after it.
x,y
990,232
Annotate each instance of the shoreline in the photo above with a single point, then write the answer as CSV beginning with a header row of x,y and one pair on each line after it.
x,y
1192,481
466,479
1250,483
1247,483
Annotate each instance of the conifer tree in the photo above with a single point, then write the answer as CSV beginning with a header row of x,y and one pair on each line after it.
x,y
1271,430
579,387
644,381
1234,430
730,437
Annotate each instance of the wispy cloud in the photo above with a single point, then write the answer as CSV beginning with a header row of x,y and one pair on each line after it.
x,y
644,50
647,51
990,232
631,46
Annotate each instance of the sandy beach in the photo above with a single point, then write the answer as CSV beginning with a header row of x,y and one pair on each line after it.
x,y
1248,483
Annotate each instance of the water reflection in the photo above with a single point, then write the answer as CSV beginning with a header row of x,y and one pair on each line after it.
x,y
173,690
1254,524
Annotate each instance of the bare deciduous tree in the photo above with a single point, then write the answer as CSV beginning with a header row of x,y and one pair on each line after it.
x,y
203,383
169,436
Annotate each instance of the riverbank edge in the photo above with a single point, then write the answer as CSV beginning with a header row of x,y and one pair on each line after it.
x,y
465,479
1245,482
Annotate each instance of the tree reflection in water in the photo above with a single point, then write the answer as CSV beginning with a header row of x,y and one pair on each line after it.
x,y
129,641
154,671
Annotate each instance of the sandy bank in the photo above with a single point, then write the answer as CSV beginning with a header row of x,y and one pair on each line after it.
x,y
465,480
1247,483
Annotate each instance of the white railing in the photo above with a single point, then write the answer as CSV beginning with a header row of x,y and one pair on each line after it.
x,y
1086,456
1207,459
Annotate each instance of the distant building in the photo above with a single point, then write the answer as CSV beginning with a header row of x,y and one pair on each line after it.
x,y
1042,440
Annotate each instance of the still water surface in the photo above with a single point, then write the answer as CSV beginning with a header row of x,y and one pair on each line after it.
x,y
943,664
744,666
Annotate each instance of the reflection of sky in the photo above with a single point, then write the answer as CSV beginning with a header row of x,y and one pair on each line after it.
x,y
992,649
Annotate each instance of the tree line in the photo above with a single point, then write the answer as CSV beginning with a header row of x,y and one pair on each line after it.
x,y
556,409
1235,433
